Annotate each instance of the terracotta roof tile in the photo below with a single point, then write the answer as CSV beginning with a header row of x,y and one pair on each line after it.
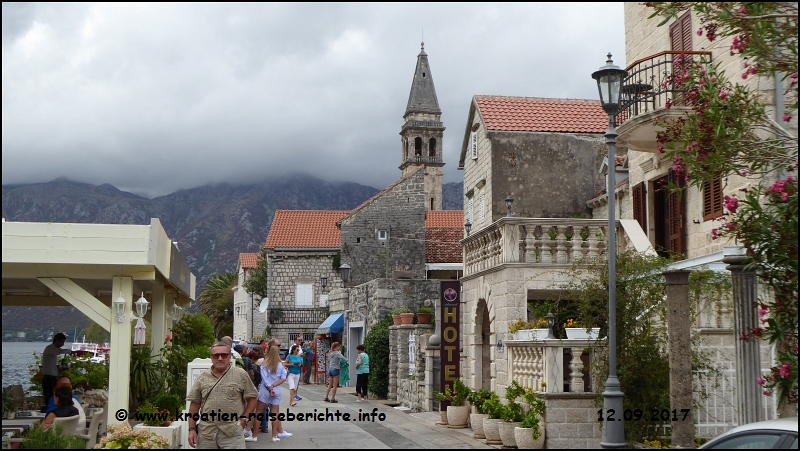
x,y
445,218
305,229
536,114
443,244
248,261
616,188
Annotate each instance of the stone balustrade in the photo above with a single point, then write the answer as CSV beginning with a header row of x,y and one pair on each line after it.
x,y
541,364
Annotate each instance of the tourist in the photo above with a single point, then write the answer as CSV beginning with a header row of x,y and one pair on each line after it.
x,y
263,345
308,363
221,388
294,363
50,364
273,374
64,381
254,370
229,341
334,365
298,341
362,374
64,408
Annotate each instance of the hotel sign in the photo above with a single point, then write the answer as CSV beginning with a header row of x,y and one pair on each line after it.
x,y
450,301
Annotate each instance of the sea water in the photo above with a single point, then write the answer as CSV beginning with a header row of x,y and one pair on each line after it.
x,y
17,356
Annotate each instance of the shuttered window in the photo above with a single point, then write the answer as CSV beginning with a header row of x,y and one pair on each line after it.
x,y
474,145
677,243
712,199
480,207
304,296
680,34
640,205
470,210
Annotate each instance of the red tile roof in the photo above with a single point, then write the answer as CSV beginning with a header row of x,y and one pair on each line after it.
x,y
315,229
616,188
445,218
536,114
248,261
444,230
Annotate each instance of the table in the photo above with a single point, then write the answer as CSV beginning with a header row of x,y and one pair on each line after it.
x,y
19,425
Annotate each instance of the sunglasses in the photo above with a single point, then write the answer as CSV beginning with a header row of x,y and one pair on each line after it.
x,y
221,355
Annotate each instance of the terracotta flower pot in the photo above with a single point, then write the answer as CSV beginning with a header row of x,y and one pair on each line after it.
x,y
396,319
491,431
424,318
476,420
507,433
406,319
457,416
524,438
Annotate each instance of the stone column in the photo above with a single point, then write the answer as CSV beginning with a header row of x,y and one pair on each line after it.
x,y
394,338
748,361
680,357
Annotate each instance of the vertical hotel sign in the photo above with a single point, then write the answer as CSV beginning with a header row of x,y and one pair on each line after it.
x,y
451,329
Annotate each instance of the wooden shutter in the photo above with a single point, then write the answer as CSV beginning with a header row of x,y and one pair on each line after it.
x,y
680,34
304,295
712,199
640,205
675,211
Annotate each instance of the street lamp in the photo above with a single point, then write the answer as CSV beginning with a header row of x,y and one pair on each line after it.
x,y
551,321
509,201
609,83
344,270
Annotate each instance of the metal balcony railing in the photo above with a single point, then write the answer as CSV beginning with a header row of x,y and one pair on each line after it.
x,y
648,87
297,316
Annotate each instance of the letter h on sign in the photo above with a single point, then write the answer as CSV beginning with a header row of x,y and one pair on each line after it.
x,y
450,293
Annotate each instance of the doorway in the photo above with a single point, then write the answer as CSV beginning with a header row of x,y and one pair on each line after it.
x,y
483,354
668,212
355,337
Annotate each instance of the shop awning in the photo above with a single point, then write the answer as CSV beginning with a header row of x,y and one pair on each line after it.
x,y
332,325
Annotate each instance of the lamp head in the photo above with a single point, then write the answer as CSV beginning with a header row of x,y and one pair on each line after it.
x,y
468,227
609,83
119,308
344,270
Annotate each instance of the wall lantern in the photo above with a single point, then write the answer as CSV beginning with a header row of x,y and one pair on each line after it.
x,y
468,227
141,307
177,311
344,270
119,308
499,341
509,201
324,279
551,321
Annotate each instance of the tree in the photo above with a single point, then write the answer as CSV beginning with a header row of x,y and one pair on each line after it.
x,y
729,131
376,345
256,282
96,334
215,299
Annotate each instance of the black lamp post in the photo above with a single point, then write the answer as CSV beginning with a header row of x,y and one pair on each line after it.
x,y
509,201
551,321
344,270
609,83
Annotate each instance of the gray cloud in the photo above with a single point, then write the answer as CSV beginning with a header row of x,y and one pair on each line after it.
x,y
154,98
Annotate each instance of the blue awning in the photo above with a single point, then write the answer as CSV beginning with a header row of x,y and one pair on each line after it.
x,y
332,325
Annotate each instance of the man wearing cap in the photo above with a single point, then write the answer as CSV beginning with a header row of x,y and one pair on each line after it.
x,y
224,397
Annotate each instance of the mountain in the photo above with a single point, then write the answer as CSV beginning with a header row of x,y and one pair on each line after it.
x,y
212,224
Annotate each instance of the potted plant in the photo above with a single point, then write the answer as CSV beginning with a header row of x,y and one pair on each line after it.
x,y
575,332
396,316
529,330
160,418
53,438
512,414
477,398
424,315
491,424
530,433
120,436
445,398
405,315
458,410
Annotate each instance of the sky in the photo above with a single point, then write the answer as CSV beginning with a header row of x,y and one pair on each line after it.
x,y
153,98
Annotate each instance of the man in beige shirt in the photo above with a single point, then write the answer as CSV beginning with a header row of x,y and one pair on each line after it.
x,y
222,398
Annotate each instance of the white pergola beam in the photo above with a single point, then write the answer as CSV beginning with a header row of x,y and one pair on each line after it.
x,y
80,299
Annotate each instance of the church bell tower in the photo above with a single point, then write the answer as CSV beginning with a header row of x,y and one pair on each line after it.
x,y
422,132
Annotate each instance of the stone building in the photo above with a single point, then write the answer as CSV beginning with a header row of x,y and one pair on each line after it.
x,y
247,322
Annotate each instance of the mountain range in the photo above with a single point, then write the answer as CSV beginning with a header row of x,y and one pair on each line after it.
x,y
212,224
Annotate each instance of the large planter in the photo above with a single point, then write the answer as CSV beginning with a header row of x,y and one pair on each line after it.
x,y
443,416
172,432
507,433
530,334
579,333
396,319
491,431
424,318
406,319
457,416
524,437
476,420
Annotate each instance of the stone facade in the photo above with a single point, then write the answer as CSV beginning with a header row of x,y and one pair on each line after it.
x,y
399,211
409,385
571,421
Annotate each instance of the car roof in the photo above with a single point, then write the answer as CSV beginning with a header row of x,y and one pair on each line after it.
x,y
780,424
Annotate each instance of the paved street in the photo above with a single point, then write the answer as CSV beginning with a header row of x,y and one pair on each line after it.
x,y
398,430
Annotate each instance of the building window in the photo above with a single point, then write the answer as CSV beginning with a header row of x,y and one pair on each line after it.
x,y
382,235
480,207
640,205
432,147
304,295
418,146
712,199
680,34
474,145
470,210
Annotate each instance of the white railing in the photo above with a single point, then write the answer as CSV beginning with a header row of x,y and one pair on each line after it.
x,y
540,364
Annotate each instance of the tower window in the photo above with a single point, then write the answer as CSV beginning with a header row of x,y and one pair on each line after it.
x,y
474,145
423,75
432,198
382,235
432,147
418,146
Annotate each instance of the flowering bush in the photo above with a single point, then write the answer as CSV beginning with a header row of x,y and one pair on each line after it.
x,y
571,323
121,436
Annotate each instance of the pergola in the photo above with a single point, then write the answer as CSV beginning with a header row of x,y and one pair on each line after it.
x,y
86,266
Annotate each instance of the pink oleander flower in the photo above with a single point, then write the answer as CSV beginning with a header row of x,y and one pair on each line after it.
x,y
731,204
700,32
730,226
714,234
762,312
744,75
668,105
168,337
723,94
784,372
760,381
785,196
742,10
766,392
744,173
786,118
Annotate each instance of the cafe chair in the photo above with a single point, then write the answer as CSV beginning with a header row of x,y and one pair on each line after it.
x,y
94,429
70,424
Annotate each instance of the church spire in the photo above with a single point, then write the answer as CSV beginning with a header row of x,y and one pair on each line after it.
x,y
422,98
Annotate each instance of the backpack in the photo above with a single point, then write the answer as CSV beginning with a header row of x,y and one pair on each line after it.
x,y
251,369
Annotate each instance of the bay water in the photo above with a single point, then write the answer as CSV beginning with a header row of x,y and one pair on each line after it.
x,y
17,356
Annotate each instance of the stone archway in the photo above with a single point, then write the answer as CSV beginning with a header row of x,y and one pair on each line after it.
x,y
483,351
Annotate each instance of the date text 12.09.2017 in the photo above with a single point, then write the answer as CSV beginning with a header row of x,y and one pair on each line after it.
x,y
655,415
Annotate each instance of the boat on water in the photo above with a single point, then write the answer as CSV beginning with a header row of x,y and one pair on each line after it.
x,y
90,351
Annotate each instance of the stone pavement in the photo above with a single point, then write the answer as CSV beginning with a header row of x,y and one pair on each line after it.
x,y
398,430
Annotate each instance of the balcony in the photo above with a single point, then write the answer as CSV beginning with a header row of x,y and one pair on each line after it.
x,y
313,316
646,91
546,242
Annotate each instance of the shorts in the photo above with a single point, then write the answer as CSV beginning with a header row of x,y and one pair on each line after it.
x,y
293,380
266,398
333,372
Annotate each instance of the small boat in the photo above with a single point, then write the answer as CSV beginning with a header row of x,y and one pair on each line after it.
x,y
90,351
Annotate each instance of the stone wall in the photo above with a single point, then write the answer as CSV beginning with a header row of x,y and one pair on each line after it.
x,y
381,296
399,210
571,421
406,385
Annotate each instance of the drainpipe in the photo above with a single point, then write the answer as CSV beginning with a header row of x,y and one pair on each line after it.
x,y
346,335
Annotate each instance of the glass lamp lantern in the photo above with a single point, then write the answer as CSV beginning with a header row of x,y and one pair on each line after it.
x,y
344,270
119,308
141,306
609,82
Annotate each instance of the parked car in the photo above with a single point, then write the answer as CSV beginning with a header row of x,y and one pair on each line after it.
x,y
772,434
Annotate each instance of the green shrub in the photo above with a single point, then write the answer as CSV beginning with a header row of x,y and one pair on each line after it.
x,y
53,438
400,310
478,397
424,309
376,345
192,331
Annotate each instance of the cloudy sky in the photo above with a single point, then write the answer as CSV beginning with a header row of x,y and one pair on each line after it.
x,y
155,97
